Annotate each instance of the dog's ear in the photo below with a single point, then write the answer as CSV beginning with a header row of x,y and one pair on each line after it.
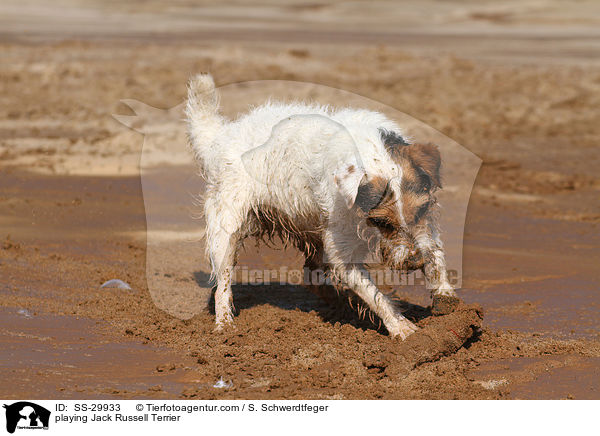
x,y
393,141
427,157
348,178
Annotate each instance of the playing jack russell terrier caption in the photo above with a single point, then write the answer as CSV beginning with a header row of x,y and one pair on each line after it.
x,y
340,184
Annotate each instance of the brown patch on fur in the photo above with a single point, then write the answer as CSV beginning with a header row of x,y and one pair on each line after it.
x,y
378,202
417,193
420,179
372,193
385,218
427,158
393,142
421,165
414,206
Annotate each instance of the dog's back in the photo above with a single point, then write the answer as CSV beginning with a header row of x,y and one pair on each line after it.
x,y
303,131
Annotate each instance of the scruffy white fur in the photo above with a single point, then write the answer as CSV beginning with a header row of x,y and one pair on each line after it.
x,y
304,164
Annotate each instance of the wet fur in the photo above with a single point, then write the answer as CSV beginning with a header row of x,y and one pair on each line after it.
x,y
328,181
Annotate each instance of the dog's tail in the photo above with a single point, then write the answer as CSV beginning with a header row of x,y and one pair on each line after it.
x,y
203,119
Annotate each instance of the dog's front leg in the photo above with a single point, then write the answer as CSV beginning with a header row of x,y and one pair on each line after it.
x,y
434,267
358,280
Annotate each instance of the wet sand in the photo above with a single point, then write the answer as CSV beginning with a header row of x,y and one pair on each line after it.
x,y
288,343
516,86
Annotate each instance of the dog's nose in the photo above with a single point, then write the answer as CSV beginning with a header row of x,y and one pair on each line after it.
x,y
414,260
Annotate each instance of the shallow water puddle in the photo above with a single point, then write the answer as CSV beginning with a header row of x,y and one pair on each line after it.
x,y
64,357
549,377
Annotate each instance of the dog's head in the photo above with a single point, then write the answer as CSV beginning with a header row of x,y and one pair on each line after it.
x,y
402,208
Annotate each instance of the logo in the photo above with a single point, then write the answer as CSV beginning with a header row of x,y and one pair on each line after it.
x,y
26,415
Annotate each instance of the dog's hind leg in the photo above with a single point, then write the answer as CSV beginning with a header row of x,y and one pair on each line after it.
x,y
222,245
223,293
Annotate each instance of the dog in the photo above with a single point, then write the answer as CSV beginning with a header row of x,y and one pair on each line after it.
x,y
342,185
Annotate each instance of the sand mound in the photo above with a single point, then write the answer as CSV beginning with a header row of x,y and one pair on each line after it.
x,y
439,336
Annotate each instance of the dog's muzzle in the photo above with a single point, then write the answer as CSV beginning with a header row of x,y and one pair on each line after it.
x,y
401,256
413,261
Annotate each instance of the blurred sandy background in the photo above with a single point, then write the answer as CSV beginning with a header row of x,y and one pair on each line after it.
x,y
515,82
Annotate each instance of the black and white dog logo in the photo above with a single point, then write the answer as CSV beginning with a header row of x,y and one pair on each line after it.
x,y
26,415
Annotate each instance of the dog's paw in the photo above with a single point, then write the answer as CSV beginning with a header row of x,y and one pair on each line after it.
x,y
222,327
445,289
224,322
403,329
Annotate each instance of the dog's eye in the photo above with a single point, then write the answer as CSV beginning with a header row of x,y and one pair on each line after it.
x,y
381,224
424,183
421,211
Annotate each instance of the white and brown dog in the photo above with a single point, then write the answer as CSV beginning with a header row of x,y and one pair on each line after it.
x,y
328,181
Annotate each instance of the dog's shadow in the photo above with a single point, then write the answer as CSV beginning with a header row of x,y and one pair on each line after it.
x,y
297,297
